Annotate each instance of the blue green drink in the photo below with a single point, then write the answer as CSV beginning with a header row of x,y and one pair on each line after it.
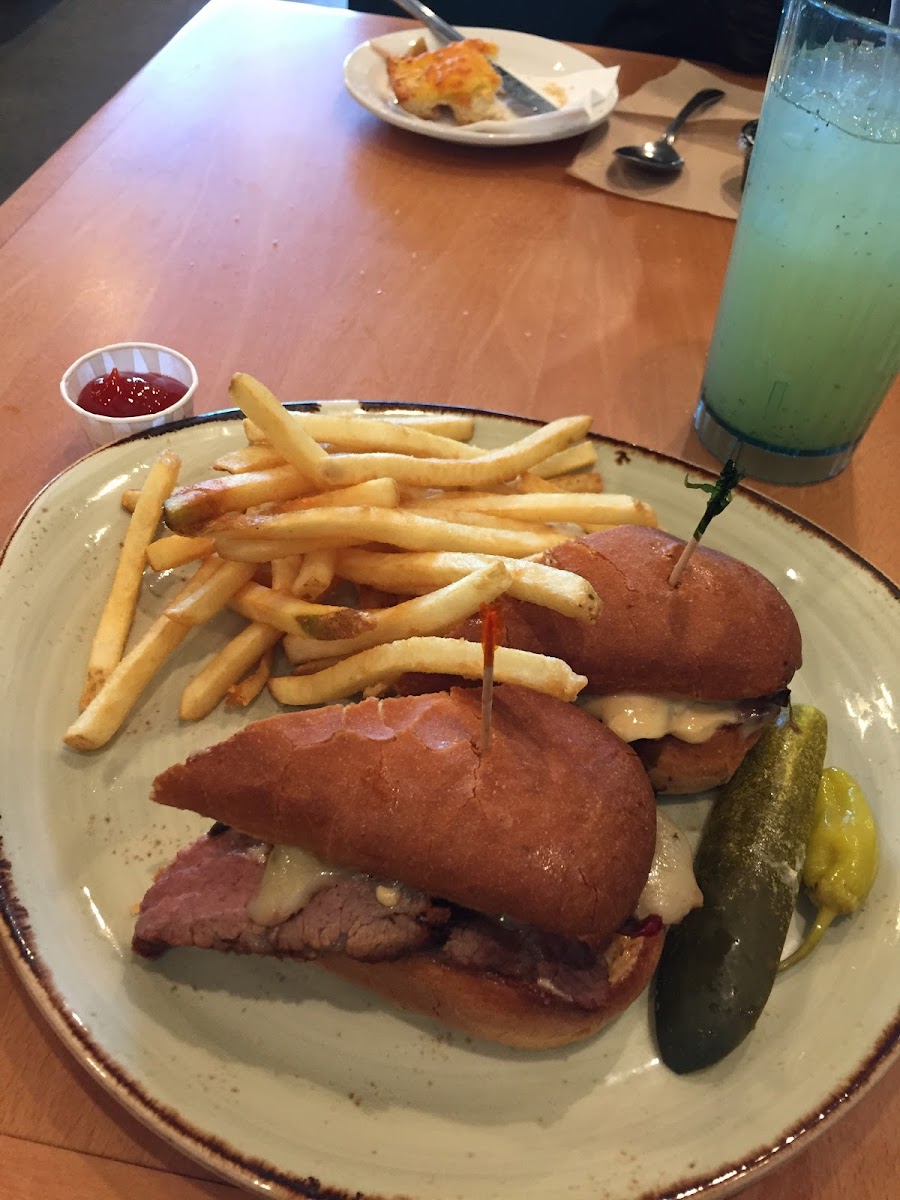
x,y
807,338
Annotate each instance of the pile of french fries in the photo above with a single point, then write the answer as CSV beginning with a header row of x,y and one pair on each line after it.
x,y
387,505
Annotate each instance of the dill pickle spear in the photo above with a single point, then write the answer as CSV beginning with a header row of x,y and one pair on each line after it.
x,y
719,964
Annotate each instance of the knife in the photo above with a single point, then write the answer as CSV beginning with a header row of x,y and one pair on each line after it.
x,y
522,100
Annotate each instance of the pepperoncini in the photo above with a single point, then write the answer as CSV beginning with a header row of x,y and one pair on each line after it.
x,y
842,855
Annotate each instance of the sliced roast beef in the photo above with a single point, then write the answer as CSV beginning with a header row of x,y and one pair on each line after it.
x,y
201,900
565,967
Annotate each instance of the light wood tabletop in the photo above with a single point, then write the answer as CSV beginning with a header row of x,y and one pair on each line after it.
x,y
235,202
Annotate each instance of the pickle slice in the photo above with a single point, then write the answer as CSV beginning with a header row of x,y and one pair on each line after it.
x,y
719,964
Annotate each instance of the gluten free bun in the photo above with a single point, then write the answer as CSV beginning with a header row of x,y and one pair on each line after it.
x,y
554,826
724,633
679,768
502,1010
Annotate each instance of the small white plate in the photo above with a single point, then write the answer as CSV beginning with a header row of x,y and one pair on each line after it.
x,y
292,1082
524,54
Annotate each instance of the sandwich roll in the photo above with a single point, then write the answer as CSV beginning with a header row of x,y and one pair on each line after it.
x,y
714,654
554,825
724,633
675,767
519,894
724,637
506,1010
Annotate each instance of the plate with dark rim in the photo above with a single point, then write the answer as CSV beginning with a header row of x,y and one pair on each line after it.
x,y
285,1079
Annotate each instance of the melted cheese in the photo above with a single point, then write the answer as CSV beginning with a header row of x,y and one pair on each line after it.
x,y
291,879
671,890
632,715
388,896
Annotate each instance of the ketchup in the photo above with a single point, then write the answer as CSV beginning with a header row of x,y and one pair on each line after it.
x,y
137,394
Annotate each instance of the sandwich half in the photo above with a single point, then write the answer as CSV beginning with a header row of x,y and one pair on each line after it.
x,y
690,675
516,893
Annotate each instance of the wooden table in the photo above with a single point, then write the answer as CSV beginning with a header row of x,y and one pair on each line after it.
x,y
235,202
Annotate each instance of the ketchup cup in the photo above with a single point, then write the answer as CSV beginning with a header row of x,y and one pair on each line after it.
x,y
128,358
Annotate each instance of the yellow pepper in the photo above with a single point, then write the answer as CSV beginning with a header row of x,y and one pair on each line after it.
x,y
842,855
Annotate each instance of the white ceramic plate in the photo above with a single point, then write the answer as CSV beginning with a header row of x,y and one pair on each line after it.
x,y
280,1076
525,54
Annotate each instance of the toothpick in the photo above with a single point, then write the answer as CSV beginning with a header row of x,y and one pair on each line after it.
x,y
720,494
487,706
491,634
684,558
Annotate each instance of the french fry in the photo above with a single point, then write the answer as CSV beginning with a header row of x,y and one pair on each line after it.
x,y
379,493
287,518
110,707
212,683
349,526
101,719
315,576
284,572
288,437
418,573
458,426
176,550
494,466
254,435
190,507
249,458
578,507
580,457
436,612
582,481
529,482
369,434
118,612
648,517
313,668
355,433
264,550
374,493
210,597
245,692
435,655
483,520
298,617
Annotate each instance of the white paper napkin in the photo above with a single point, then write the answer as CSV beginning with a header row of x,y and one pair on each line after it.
x,y
579,95
711,179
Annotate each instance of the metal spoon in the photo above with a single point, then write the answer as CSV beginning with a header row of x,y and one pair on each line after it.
x,y
661,155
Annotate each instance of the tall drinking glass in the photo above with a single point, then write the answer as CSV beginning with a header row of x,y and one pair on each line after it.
x,y
807,338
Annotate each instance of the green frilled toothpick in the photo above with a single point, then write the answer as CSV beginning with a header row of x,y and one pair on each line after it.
x,y
720,494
